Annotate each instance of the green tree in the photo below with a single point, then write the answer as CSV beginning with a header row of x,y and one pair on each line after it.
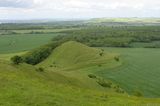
x,y
16,59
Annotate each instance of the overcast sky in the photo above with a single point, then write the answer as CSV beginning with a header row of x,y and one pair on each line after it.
x,y
72,9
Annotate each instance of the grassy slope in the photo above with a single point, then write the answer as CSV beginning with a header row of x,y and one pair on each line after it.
x,y
140,70
71,57
22,85
76,55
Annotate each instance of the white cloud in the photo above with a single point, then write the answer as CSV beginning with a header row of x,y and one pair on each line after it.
x,y
79,8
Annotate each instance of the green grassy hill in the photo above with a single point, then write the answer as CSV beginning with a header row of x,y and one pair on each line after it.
x,y
76,55
64,80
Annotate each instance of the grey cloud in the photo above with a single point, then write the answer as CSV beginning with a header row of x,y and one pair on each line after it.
x,y
16,3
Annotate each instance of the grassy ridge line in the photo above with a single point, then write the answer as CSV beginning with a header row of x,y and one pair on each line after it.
x,y
72,55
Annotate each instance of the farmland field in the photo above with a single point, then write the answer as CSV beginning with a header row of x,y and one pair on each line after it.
x,y
139,70
23,42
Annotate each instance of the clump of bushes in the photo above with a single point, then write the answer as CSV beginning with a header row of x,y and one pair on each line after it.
x,y
137,93
119,90
40,69
16,60
104,83
116,58
99,65
51,66
101,54
92,76
36,56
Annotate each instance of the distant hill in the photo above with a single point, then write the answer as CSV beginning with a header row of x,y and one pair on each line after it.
x,y
125,21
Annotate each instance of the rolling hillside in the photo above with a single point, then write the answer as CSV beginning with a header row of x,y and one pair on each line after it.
x,y
23,86
76,55
64,80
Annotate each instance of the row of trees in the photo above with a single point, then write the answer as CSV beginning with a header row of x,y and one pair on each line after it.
x,y
111,36
36,56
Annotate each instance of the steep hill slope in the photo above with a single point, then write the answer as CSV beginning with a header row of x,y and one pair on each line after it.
x,y
73,55
22,85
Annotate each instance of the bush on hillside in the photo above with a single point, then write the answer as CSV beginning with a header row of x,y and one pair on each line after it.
x,y
119,90
101,53
38,55
137,93
116,58
99,65
40,69
16,59
91,76
104,83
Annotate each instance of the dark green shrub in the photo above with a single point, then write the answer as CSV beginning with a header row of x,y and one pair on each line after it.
x,y
91,76
101,54
40,69
99,65
119,90
16,59
38,55
51,66
104,83
137,93
116,58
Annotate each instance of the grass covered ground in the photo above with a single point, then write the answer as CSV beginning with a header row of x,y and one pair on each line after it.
x,y
136,70
77,75
25,85
139,70
23,42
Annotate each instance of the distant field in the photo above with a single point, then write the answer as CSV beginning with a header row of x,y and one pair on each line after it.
x,y
23,42
140,70
7,56
129,20
44,30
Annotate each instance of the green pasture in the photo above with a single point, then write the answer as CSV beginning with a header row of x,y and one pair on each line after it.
x,y
23,42
139,70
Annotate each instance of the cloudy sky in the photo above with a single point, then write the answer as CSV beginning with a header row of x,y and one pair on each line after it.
x,y
72,9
